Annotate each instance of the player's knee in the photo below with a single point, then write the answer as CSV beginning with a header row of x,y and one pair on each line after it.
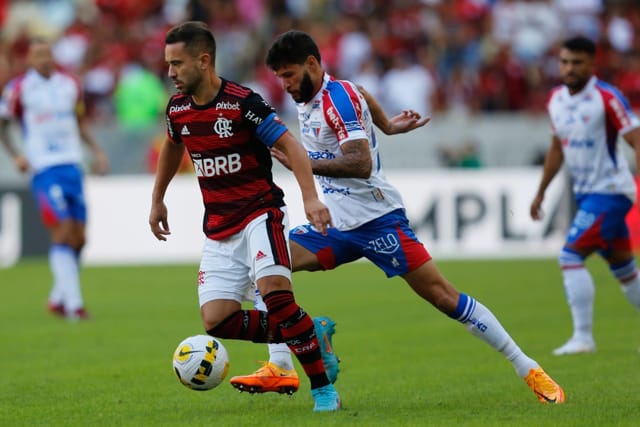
x,y
445,298
570,259
210,321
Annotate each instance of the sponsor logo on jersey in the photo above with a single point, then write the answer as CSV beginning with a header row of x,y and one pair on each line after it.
x,y
185,130
320,155
579,143
619,110
337,123
217,166
228,105
260,255
169,127
178,108
251,116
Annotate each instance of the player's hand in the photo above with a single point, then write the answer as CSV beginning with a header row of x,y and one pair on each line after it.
x,y
281,157
406,121
318,215
21,163
158,221
100,163
536,209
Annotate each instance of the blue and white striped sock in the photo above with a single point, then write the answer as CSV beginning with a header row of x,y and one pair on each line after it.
x,y
479,320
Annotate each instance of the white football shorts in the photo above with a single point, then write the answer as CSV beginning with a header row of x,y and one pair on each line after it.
x,y
230,267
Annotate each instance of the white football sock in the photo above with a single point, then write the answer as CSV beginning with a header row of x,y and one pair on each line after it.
x,y
580,293
479,320
64,266
56,296
629,279
278,353
632,291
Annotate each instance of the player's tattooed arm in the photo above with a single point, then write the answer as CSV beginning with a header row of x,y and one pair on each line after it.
x,y
354,163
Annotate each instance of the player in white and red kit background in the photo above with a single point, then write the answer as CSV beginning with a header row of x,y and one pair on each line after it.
x,y
588,116
49,107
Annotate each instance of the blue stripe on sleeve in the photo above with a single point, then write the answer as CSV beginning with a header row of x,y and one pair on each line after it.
x,y
341,99
270,130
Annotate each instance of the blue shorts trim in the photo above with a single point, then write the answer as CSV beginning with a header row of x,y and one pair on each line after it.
x,y
387,241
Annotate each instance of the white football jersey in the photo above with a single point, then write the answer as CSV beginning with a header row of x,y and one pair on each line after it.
x,y
589,124
46,108
337,114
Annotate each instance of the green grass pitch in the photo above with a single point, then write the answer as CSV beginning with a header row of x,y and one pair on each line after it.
x,y
403,363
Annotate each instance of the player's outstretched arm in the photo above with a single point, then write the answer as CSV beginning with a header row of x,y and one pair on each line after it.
x,y
633,139
552,164
169,161
298,161
406,121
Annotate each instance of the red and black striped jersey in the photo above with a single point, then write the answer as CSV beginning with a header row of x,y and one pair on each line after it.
x,y
228,140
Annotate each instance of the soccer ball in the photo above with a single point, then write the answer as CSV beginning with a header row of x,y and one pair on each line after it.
x,y
201,362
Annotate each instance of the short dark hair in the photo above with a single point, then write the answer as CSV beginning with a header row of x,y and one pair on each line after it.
x,y
195,35
292,47
580,44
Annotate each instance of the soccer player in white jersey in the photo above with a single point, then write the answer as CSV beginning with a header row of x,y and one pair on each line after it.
x,y
368,213
587,117
49,107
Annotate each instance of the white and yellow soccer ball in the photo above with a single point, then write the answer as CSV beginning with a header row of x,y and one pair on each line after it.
x,y
201,362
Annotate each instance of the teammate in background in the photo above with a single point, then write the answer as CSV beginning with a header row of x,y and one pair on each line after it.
x,y
367,212
48,104
228,130
587,116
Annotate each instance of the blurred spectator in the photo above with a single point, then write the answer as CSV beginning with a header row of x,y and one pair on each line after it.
x,y
580,16
140,98
431,55
628,80
407,85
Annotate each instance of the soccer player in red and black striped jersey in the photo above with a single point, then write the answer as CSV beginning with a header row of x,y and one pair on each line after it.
x,y
228,131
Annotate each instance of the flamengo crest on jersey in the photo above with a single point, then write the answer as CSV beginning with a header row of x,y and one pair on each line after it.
x,y
47,110
337,114
588,124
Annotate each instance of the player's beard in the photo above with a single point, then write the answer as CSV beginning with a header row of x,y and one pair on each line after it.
x,y
306,89
575,83
189,85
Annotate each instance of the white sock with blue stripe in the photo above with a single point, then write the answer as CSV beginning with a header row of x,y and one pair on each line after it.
x,y
479,320
627,275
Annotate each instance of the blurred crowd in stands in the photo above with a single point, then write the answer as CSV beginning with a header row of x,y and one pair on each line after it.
x,y
431,55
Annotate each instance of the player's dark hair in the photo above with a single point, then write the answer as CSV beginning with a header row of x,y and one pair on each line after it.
x,y
196,36
292,47
580,44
